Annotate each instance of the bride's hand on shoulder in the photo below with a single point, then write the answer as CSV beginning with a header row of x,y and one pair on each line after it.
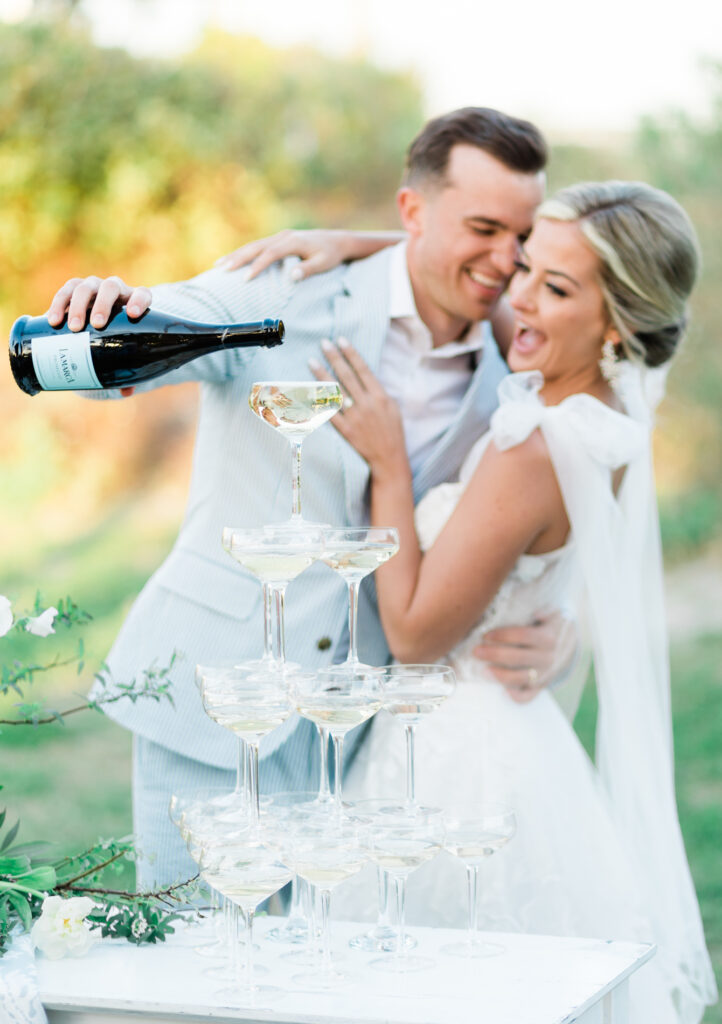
x,y
319,249
370,419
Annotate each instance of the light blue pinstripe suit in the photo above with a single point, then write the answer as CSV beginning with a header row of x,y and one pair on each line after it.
x,y
199,602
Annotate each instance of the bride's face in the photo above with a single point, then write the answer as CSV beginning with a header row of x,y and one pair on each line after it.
x,y
559,308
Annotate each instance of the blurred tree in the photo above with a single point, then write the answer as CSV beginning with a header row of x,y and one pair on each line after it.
x,y
152,169
683,155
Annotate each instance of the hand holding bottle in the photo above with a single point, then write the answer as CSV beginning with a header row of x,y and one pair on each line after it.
x,y
76,296
101,297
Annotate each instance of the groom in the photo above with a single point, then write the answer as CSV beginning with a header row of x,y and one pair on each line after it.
x,y
419,315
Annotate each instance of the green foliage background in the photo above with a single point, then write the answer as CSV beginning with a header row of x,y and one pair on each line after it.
x,y
153,169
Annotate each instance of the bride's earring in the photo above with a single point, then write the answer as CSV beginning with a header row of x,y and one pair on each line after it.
x,y
609,364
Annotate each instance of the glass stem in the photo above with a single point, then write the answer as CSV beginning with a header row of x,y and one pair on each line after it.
x,y
230,917
353,589
279,596
267,622
240,766
338,767
472,877
326,966
254,800
296,477
401,914
384,919
248,928
324,789
410,773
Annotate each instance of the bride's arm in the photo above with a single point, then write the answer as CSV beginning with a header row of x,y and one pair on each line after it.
x,y
428,602
320,249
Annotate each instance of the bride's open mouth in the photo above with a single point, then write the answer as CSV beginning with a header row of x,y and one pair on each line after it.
x,y
527,340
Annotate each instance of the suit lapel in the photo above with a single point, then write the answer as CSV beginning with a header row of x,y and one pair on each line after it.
x,y
361,314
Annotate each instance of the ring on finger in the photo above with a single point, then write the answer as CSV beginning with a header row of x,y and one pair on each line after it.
x,y
347,403
533,677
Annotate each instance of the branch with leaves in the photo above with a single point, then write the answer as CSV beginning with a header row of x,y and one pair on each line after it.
x,y
32,872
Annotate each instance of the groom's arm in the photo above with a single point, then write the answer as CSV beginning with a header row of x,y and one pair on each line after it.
x,y
525,659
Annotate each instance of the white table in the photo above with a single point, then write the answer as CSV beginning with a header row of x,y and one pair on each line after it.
x,y
537,980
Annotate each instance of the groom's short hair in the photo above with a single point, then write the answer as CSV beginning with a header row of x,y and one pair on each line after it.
x,y
517,144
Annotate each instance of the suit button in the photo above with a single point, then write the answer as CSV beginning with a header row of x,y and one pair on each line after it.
x,y
324,643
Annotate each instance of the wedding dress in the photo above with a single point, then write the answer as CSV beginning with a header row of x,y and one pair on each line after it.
x,y
598,852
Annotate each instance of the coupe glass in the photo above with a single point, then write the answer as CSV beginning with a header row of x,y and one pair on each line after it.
x,y
338,699
246,873
250,705
203,824
236,801
181,808
400,842
473,832
353,553
411,692
382,937
285,808
325,855
277,555
268,658
295,409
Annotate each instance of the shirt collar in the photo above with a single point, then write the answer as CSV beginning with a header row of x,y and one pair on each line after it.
x,y
402,306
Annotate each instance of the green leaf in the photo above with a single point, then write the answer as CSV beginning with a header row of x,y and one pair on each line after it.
x,y
42,877
15,865
10,836
21,907
37,851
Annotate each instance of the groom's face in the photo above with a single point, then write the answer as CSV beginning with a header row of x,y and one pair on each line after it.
x,y
465,233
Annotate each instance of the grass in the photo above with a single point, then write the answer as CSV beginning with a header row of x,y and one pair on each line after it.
x,y
71,783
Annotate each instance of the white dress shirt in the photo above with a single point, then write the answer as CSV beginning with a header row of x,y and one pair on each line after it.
x,y
428,383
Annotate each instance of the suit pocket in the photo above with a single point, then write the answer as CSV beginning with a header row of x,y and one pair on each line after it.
x,y
228,590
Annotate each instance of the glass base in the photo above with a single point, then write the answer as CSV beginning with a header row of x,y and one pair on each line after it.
x,y
473,950
257,995
293,932
214,950
323,981
403,964
309,958
227,972
381,940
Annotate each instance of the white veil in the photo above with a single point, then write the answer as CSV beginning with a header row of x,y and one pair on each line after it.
x,y
619,550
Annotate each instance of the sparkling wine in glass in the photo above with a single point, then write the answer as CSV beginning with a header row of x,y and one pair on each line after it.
x,y
246,873
473,832
325,855
276,555
295,409
411,694
353,553
250,705
338,699
400,842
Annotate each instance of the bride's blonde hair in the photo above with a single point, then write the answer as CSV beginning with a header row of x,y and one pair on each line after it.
x,y
649,257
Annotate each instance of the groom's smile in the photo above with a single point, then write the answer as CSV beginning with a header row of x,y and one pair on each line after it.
x,y
465,231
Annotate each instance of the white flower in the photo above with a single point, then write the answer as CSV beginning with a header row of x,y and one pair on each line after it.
x,y
6,615
61,930
139,927
42,625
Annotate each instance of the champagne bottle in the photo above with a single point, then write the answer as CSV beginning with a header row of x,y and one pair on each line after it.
x,y
124,353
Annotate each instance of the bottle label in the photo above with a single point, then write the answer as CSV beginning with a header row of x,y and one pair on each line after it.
x,y
62,362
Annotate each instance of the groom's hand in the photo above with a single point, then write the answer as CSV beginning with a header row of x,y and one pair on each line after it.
x,y
525,659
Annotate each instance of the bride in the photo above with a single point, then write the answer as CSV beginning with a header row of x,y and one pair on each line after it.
x,y
559,491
